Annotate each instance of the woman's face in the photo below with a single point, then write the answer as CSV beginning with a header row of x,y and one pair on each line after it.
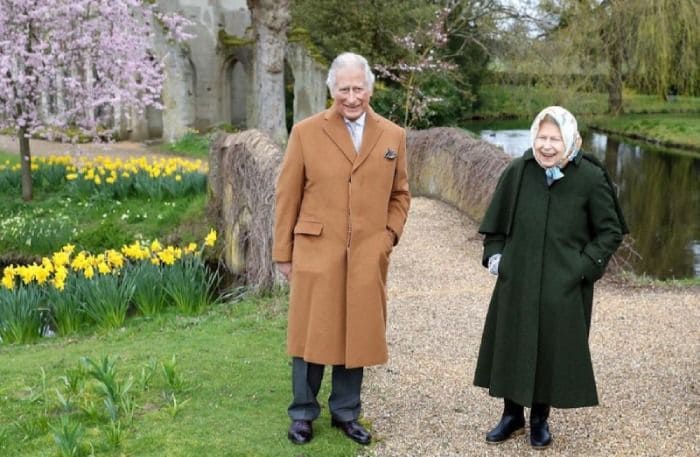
x,y
549,144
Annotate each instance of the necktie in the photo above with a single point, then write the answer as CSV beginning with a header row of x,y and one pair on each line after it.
x,y
355,135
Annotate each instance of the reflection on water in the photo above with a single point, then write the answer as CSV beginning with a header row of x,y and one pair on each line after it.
x,y
514,142
659,192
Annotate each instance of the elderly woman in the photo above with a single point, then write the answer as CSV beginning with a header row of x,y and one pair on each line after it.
x,y
552,225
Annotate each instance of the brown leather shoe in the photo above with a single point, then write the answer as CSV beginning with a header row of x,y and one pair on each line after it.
x,y
353,430
300,432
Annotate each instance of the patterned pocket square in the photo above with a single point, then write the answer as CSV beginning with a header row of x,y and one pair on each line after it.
x,y
390,154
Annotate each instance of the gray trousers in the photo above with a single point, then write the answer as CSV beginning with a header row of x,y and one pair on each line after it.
x,y
344,401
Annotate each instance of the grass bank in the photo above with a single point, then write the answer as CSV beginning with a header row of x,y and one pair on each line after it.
x,y
507,101
671,130
231,393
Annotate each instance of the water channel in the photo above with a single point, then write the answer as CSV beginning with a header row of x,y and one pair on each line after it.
x,y
659,190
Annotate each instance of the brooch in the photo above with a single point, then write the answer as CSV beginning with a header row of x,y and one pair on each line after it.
x,y
390,154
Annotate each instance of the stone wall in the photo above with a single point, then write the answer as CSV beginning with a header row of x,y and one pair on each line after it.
x,y
243,171
449,165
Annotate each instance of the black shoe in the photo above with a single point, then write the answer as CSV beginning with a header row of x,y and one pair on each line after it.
x,y
508,427
512,423
300,432
540,438
354,431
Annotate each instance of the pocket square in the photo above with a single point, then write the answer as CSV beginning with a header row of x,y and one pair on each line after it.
x,y
390,154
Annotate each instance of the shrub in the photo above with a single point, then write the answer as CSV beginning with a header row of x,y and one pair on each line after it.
x,y
190,285
21,314
149,293
106,299
65,308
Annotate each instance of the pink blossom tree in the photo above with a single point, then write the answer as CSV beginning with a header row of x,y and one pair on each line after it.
x,y
421,58
76,64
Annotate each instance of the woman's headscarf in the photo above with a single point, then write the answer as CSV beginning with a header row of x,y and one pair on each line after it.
x,y
569,132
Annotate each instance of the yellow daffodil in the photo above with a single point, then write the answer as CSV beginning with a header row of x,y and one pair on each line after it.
x,y
103,268
8,281
60,258
59,284
27,273
61,273
135,251
47,264
41,274
114,258
80,261
210,238
167,257
89,272
156,246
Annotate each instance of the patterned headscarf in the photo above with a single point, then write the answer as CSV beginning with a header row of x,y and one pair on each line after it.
x,y
569,132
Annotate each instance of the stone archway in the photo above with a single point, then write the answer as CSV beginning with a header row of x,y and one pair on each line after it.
x,y
289,95
235,90
237,80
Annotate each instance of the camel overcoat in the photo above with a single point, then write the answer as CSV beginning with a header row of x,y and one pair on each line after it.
x,y
334,214
555,243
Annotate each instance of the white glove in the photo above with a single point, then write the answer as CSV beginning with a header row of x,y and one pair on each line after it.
x,y
494,260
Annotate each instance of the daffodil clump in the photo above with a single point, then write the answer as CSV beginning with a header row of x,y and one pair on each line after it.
x,y
117,178
69,288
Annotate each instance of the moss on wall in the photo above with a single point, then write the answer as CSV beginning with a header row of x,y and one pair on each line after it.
x,y
302,36
232,41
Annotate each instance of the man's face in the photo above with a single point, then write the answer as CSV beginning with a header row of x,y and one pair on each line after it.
x,y
351,96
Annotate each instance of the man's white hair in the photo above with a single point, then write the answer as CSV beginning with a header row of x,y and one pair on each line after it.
x,y
349,59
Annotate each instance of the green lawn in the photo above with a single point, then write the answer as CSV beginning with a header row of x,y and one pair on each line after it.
x,y
676,129
191,144
95,223
236,388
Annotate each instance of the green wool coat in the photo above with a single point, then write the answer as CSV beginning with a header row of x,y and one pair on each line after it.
x,y
555,243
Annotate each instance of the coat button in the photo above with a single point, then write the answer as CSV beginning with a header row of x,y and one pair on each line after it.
x,y
600,261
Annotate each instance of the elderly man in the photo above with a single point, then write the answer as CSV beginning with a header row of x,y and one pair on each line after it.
x,y
341,204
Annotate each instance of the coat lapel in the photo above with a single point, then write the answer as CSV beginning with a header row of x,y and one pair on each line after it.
x,y
338,133
370,136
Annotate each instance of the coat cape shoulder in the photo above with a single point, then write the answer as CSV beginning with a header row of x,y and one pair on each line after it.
x,y
499,216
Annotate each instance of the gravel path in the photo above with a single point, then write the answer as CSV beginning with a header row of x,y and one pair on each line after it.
x,y
645,344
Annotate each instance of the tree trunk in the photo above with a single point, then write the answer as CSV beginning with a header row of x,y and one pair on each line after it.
x,y
270,21
615,82
613,36
26,161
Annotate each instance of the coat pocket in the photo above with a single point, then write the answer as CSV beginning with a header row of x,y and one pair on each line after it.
x,y
590,271
308,228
